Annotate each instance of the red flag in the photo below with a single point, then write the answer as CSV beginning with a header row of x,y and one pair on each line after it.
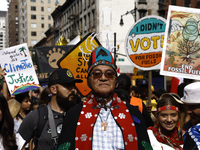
x,y
175,83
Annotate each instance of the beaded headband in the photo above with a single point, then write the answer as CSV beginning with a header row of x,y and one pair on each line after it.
x,y
168,108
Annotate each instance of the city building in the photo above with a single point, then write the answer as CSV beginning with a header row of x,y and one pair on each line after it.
x,y
13,23
2,30
35,19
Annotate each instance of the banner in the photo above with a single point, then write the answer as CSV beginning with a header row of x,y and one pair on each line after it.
x,y
20,72
46,60
181,51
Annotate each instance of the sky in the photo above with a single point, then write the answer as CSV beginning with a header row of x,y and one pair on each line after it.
x,y
3,5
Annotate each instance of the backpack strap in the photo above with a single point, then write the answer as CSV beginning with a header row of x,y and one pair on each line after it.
x,y
52,125
42,118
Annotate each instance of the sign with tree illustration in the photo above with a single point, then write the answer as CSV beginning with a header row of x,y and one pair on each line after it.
x,y
181,51
20,73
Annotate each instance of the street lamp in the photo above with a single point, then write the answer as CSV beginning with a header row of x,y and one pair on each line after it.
x,y
132,12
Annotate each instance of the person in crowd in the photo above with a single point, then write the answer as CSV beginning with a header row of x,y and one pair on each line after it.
x,y
34,95
143,94
134,91
167,134
24,100
123,91
103,121
45,96
7,137
45,123
191,99
157,93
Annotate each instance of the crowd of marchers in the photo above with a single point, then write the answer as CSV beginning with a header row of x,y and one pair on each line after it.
x,y
115,115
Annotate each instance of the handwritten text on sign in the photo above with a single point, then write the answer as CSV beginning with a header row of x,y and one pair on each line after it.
x,y
20,72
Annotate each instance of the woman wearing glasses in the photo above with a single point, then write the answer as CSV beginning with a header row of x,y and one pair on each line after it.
x,y
166,134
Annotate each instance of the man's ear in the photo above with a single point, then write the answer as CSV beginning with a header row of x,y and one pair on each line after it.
x,y
53,89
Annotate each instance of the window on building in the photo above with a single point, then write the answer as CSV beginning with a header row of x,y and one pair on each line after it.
x,y
42,34
33,42
33,8
49,9
33,1
42,1
33,33
93,18
187,3
142,2
142,12
49,17
42,25
16,18
57,2
42,17
33,16
16,22
42,8
49,1
33,25
16,7
49,25
173,2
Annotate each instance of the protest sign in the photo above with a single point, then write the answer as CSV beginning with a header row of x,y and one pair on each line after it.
x,y
76,61
47,58
20,72
181,51
144,42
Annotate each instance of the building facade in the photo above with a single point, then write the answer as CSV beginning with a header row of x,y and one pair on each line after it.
x,y
2,30
35,19
13,23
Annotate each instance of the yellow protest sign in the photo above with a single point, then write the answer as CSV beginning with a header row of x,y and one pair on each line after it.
x,y
76,61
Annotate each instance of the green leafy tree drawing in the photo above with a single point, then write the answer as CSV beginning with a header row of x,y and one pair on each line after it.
x,y
22,49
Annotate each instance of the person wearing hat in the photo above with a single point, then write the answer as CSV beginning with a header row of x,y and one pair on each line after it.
x,y
167,133
191,98
24,100
45,135
103,121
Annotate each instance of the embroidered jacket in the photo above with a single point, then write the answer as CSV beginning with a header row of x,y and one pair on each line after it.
x,y
75,125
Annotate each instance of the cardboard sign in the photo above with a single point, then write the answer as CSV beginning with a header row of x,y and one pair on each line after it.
x,y
181,52
76,61
20,72
144,42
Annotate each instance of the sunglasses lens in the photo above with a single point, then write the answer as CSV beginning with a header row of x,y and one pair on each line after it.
x,y
97,74
110,74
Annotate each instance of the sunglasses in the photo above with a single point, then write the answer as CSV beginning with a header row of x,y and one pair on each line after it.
x,y
97,74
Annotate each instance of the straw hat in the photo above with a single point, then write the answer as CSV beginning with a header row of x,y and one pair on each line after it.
x,y
14,107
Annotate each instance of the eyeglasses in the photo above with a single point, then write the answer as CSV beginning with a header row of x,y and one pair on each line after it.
x,y
97,74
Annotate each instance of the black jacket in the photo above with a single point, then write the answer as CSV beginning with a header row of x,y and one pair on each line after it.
x,y
70,124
